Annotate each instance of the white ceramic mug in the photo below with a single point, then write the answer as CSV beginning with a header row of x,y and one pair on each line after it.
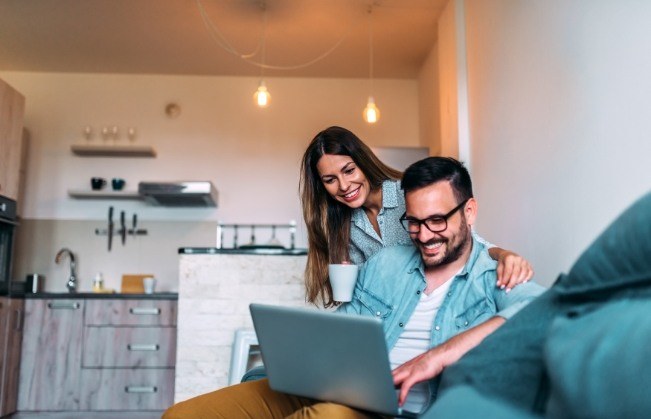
x,y
149,284
342,279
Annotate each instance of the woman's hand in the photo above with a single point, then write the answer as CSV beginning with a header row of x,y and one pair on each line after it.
x,y
512,269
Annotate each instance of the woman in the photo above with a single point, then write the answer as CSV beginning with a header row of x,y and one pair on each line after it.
x,y
352,203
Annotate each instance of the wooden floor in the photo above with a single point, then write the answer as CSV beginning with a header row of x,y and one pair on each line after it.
x,y
86,415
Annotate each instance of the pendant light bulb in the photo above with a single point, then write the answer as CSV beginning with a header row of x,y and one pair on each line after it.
x,y
261,97
371,112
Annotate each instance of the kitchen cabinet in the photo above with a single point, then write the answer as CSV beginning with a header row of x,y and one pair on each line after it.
x,y
103,354
12,109
129,355
11,333
51,355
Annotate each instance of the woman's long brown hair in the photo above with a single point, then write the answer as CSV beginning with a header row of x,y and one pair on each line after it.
x,y
328,221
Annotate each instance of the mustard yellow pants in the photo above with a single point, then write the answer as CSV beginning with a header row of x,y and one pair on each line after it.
x,y
255,400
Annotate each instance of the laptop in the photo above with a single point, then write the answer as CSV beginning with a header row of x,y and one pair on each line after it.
x,y
327,356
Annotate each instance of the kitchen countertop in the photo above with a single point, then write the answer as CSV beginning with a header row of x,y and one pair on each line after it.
x,y
94,295
270,251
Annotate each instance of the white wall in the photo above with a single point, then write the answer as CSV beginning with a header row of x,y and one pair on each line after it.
x,y
560,94
448,82
252,156
428,98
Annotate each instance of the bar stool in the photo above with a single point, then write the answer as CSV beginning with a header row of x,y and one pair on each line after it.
x,y
245,351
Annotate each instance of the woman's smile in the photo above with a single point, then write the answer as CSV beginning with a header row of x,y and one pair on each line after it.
x,y
352,195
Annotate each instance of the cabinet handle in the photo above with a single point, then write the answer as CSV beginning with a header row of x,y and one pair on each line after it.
x,y
141,389
62,305
139,311
142,347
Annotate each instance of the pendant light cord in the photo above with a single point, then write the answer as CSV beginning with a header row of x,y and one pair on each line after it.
x,y
217,36
370,48
221,40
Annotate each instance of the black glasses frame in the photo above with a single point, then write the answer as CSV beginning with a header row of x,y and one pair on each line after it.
x,y
404,221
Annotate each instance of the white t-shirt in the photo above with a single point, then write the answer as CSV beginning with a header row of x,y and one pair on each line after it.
x,y
415,339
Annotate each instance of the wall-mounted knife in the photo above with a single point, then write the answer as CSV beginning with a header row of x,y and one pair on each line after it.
x,y
110,228
123,228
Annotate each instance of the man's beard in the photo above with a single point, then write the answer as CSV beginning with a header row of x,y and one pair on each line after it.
x,y
454,252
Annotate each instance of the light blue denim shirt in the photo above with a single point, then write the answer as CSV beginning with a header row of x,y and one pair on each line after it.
x,y
364,240
390,284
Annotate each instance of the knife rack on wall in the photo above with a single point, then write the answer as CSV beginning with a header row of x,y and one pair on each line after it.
x,y
118,232
122,231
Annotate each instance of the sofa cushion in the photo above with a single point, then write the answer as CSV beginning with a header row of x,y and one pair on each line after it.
x,y
598,363
617,259
508,364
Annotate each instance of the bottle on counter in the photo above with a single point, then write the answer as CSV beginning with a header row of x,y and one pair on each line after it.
x,y
98,282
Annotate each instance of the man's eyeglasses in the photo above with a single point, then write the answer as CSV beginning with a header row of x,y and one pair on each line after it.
x,y
434,224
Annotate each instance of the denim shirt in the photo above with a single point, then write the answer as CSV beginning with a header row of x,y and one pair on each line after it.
x,y
390,284
364,240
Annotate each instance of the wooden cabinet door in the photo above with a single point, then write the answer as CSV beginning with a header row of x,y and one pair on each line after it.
x,y
51,355
14,327
130,313
129,347
127,389
12,109
4,321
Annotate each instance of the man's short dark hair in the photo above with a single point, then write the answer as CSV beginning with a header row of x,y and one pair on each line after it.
x,y
435,169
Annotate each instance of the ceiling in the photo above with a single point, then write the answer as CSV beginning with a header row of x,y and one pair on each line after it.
x,y
170,36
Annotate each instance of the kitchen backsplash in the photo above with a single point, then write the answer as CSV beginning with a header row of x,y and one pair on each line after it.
x,y
38,241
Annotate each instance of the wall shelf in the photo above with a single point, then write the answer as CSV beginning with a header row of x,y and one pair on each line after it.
x,y
88,150
90,194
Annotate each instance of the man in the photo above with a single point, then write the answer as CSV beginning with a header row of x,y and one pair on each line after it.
x,y
439,293
426,294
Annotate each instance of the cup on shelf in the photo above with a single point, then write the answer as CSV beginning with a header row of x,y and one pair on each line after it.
x,y
97,183
88,132
117,183
106,133
131,134
114,133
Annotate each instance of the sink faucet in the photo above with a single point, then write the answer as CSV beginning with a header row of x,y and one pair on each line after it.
x,y
72,280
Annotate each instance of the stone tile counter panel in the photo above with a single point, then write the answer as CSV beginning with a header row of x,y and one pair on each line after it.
x,y
215,291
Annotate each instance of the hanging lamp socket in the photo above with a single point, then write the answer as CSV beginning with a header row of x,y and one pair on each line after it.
x,y
261,97
371,112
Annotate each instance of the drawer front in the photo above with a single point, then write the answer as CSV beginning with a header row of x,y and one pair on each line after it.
x,y
131,312
127,389
129,347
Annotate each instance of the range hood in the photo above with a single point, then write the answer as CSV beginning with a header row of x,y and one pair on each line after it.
x,y
179,194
